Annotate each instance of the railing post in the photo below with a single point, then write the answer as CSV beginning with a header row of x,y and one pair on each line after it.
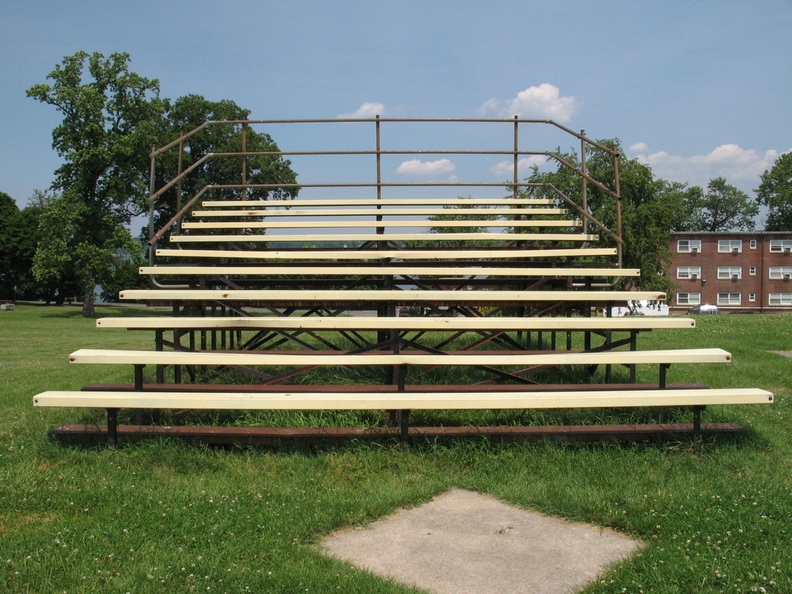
x,y
152,170
378,133
179,183
244,161
515,192
585,181
617,188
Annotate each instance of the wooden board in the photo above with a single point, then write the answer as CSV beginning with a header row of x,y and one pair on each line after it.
x,y
309,295
120,357
417,323
352,254
374,202
308,224
368,212
414,401
355,237
312,270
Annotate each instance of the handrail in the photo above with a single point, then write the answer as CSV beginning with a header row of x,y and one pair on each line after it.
x,y
378,151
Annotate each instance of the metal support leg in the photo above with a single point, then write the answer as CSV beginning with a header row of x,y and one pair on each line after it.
x,y
404,426
697,422
139,388
661,383
112,427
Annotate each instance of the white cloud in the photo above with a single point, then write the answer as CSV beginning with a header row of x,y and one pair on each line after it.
x,y
523,165
740,167
417,167
492,105
542,102
366,110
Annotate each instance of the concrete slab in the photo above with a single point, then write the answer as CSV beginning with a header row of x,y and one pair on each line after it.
x,y
466,542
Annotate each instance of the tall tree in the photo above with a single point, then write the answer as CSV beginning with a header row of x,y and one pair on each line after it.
x,y
775,191
8,264
650,208
191,111
110,119
722,208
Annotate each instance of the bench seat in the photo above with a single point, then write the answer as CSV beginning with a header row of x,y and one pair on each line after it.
x,y
386,254
328,388
308,238
354,270
397,323
369,212
662,357
376,202
401,401
380,295
309,224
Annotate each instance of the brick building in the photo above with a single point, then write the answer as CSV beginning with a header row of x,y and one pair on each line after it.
x,y
737,271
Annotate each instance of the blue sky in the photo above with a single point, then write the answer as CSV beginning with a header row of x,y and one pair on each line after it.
x,y
695,88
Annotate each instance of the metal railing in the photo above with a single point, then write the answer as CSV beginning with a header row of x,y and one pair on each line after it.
x,y
377,181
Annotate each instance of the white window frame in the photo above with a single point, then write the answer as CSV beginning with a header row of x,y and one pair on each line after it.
x,y
729,299
752,271
687,246
726,246
780,245
689,298
684,272
753,244
779,299
729,272
780,272
751,297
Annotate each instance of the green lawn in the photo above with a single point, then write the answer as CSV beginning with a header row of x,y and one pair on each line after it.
x,y
164,516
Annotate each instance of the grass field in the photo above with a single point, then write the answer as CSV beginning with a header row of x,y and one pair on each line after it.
x,y
165,516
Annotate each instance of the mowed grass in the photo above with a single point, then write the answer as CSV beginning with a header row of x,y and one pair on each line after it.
x,y
165,516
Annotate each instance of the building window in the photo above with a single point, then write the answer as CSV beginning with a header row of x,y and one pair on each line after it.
x,y
751,297
729,272
729,245
729,299
686,246
753,244
780,299
752,271
781,245
688,298
692,272
781,272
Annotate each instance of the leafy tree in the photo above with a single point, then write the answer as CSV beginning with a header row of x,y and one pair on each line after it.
x,y
8,264
110,119
722,208
775,191
187,113
650,208
454,215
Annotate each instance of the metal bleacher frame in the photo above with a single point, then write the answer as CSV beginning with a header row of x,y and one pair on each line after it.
x,y
510,286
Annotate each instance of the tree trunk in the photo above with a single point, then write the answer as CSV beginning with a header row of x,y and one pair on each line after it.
x,y
88,310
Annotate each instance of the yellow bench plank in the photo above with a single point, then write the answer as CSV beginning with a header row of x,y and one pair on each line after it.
x,y
380,323
310,295
407,254
353,237
368,212
458,271
370,224
391,401
120,357
374,202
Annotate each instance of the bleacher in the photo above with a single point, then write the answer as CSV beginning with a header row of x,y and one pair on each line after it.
x,y
512,295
